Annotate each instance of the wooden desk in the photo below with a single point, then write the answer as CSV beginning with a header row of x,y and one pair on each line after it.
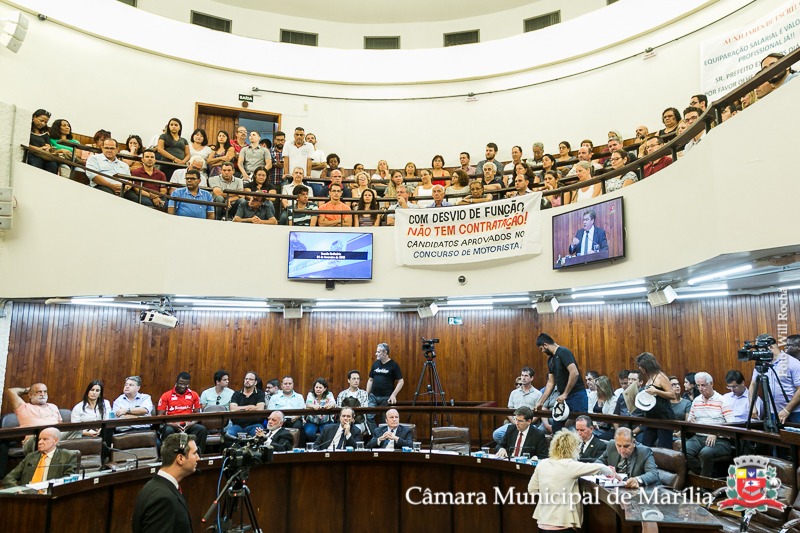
x,y
337,492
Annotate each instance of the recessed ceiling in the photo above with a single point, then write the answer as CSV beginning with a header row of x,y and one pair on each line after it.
x,y
381,11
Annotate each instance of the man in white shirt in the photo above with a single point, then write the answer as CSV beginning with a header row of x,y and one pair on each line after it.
x,y
317,160
298,153
195,162
108,163
704,449
220,393
508,170
524,395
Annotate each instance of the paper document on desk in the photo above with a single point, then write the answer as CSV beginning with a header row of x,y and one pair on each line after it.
x,y
605,481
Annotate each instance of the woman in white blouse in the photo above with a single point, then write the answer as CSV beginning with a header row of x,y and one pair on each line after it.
x,y
92,409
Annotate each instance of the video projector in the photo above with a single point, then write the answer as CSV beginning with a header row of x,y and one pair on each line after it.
x,y
160,319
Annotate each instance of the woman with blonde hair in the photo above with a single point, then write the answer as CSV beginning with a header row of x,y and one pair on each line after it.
x,y
382,171
555,484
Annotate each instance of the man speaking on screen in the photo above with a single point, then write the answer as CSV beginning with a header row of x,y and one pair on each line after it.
x,y
589,239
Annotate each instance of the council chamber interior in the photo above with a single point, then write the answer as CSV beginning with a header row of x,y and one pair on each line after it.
x,y
730,203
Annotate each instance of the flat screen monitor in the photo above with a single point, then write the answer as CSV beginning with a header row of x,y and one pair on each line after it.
x,y
328,255
589,234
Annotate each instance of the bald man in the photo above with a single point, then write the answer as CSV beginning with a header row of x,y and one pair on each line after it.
x,y
391,435
48,462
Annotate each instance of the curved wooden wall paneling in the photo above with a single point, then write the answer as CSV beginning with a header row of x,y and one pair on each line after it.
x,y
67,346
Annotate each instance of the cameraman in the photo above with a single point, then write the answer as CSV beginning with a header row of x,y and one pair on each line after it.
x,y
784,380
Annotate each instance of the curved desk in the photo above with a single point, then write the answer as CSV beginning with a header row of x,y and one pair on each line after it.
x,y
341,492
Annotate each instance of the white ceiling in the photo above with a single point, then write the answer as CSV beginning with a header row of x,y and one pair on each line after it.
x,y
380,11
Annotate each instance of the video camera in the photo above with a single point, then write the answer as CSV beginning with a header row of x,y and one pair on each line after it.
x,y
428,351
757,350
245,453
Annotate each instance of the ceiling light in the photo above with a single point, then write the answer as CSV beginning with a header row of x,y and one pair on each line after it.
x,y
591,302
347,310
612,292
220,303
229,308
339,303
610,285
465,307
710,294
721,274
488,301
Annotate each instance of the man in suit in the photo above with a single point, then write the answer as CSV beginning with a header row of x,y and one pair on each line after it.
x,y
275,435
630,458
338,437
391,435
160,506
589,239
47,463
521,438
591,447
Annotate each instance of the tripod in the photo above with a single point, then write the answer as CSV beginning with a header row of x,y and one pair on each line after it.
x,y
771,423
434,388
232,494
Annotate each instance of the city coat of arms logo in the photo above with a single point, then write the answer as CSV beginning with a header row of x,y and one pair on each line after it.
x,y
752,484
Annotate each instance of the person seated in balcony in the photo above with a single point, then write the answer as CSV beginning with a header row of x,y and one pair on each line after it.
x,y
395,181
226,181
198,145
336,176
326,220
402,203
368,201
551,184
464,159
477,194
92,408
320,400
652,145
438,197
780,78
220,393
297,177
728,111
410,174
563,152
606,404
589,191
490,180
690,116
148,170
382,171
641,134
109,164
195,163
133,146
438,173
301,204
249,398
62,143
459,184
39,142
584,154
172,147
256,210
362,184
618,159
222,152
425,189
193,191
520,186
670,118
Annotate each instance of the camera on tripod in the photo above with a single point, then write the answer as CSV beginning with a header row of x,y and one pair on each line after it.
x,y
428,351
246,453
757,350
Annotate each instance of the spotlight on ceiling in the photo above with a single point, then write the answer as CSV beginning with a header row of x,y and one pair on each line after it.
x,y
547,307
660,297
428,310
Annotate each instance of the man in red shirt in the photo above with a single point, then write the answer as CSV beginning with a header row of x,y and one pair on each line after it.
x,y
181,401
150,191
652,144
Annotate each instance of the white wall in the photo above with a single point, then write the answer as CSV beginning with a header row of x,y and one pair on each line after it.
x,y
565,99
719,199
260,24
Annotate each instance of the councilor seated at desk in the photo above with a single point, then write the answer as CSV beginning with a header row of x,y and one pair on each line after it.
x,y
520,438
391,435
591,447
275,435
341,435
48,462
634,460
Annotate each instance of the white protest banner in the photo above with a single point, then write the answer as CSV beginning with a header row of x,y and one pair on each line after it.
x,y
731,59
469,233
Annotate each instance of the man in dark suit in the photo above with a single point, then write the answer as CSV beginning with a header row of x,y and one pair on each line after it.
x,y
591,447
51,462
630,458
521,438
275,435
589,239
338,437
391,435
160,506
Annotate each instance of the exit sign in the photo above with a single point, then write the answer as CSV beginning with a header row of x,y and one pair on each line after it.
x,y
454,321
245,97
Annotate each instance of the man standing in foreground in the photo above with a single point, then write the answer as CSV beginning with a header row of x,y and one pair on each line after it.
x,y
563,375
385,381
160,506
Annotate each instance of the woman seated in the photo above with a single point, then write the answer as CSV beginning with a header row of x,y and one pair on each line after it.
x,y
394,183
362,184
40,142
606,403
476,194
438,172
425,189
382,172
133,146
563,151
410,173
670,117
62,142
92,409
548,163
619,158
320,400
551,184
223,152
584,170
368,201
459,184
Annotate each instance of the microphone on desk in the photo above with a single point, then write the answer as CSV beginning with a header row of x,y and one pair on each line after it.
x,y
112,449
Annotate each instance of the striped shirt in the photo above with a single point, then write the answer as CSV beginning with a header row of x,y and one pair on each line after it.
x,y
711,411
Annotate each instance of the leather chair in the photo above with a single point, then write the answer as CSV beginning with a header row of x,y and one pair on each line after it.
x,y
142,444
793,523
295,432
413,428
671,467
11,421
451,438
90,450
214,426
66,415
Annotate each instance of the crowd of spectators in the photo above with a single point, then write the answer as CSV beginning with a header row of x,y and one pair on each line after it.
x,y
230,166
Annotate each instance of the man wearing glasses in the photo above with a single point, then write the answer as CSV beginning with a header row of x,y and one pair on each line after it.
x,y
194,192
220,393
108,163
133,404
247,399
704,449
